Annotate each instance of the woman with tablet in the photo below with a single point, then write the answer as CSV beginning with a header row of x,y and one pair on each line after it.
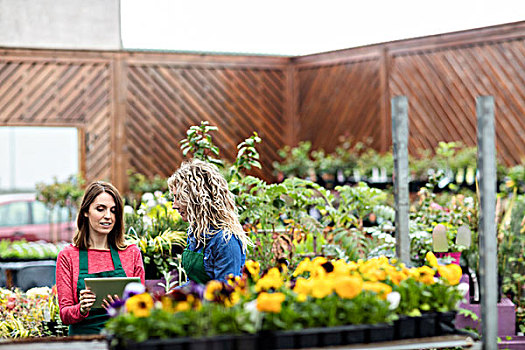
x,y
98,250
217,243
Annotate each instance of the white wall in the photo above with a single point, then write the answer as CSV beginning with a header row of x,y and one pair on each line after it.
x,y
60,24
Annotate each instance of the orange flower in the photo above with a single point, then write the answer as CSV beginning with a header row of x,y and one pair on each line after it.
x,y
270,302
303,286
348,287
322,287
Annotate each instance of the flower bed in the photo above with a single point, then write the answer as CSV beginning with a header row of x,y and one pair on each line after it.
x,y
322,303
33,313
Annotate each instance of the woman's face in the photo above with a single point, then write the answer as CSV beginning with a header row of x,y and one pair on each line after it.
x,y
101,214
180,208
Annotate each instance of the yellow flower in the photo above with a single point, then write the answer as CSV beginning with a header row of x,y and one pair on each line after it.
x,y
301,298
348,287
451,273
167,304
212,288
378,287
318,272
254,268
140,305
320,260
375,275
432,260
322,287
182,306
271,280
270,302
426,275
302,267
341,268
413,273
303,286
397,276
232,299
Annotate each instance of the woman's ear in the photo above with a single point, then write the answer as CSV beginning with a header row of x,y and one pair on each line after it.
x,y
85,214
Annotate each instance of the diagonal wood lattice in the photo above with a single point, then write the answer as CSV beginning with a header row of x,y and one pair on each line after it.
x,y
67,93
133,108
165,100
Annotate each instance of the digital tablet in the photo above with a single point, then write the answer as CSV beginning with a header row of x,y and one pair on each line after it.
x,y
108,285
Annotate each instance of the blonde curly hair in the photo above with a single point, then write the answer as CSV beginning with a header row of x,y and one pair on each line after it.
x,y
200,187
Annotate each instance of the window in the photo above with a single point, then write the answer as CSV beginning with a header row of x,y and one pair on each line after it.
x,y
29,155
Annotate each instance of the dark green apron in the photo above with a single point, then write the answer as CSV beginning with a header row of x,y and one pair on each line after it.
x,y
193,265
94,323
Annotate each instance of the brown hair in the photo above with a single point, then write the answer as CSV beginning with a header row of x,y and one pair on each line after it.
x,y
116,236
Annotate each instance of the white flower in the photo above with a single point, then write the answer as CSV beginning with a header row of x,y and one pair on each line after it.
x,y
141,211
128,209
39,291
463,289
148,222
133,288
157,194
393,298
251,307
148,196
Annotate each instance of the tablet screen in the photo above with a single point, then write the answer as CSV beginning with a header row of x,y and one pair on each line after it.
x,y
108,285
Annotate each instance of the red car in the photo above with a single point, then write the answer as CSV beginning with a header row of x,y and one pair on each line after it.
x,y
22,216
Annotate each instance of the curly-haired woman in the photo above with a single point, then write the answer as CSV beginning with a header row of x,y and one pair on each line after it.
x,y
217,243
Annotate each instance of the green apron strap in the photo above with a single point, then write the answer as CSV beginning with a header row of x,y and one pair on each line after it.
x,y
116,258
83,262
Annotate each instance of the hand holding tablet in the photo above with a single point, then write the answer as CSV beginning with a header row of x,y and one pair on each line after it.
x,y
110,288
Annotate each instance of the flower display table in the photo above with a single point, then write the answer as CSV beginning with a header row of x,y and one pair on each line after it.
x,y
506,317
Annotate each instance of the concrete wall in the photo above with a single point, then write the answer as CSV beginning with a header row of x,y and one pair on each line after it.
x,y
60,24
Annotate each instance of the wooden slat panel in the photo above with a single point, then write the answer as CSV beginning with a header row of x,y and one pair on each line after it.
x,y
163,101
339,100
442,86
44,90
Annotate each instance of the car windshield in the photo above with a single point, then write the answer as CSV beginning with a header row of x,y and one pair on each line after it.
x,y
33,212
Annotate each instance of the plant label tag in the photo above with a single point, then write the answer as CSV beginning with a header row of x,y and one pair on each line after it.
x,y
463,236
439,238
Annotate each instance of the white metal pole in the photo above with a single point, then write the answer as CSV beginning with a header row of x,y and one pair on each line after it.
x,y
400,143
487,223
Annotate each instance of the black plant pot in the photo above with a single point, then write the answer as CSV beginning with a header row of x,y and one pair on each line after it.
x,y
380,332
446,323
284,340
199,344
307,338
221,342
426,325
405,327
246,341
157,344
355,334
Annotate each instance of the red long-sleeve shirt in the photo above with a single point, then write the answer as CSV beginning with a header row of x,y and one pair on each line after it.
x,y
98,260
